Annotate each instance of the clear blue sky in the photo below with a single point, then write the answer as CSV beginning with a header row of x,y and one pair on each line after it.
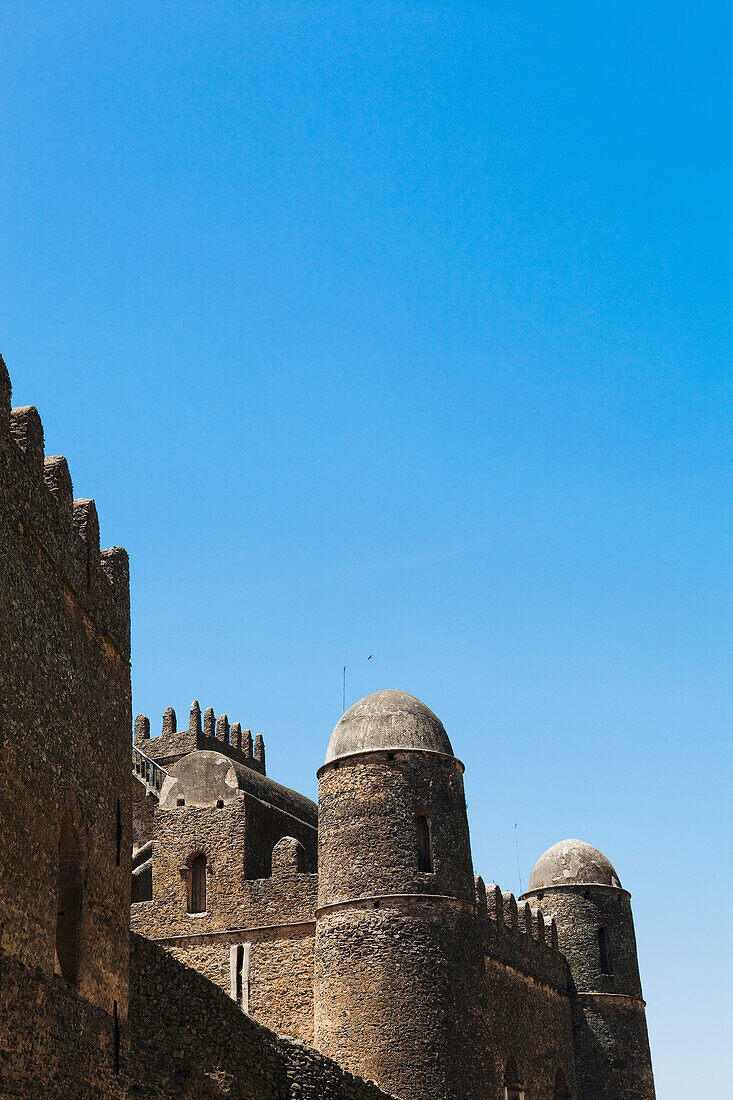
x,y
403,329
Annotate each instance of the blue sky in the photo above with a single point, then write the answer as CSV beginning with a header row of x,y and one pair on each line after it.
x,y
403,329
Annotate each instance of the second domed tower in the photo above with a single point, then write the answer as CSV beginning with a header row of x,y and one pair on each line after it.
x,y
577,885
397,968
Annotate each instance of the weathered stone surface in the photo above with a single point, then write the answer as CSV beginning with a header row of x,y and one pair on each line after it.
x,y
612,1055
188,1038
260,844
64,724
398,962
388,720
572,861
64,775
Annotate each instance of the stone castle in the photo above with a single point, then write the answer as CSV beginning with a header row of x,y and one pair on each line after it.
x,y
188,927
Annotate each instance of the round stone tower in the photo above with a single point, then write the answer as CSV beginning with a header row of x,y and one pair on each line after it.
x,y
397,963
576,884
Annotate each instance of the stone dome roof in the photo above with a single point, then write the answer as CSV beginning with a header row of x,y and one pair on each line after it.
x,y
572,862
205,777
388,720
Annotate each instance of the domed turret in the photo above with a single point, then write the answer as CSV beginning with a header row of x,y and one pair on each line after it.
x,y
572,862
388,720
394,868
578,886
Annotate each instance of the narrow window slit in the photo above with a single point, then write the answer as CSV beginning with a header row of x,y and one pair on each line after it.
x,y
603,951
197,885
424,844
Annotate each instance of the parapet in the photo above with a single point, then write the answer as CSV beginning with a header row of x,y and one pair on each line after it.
x,y
289,857
519,935
212,734
63,532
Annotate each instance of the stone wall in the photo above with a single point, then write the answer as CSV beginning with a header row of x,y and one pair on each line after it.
x,y
64,726
612,1048
285,896
613,1059
188,1038
367,826
398,963
143,811
279,972
398,996
53,1044
531,1022
274,916
520,936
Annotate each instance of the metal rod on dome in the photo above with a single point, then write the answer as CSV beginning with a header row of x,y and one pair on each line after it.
x,y
343,691
516,845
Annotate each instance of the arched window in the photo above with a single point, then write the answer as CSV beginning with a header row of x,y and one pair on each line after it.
x,y
197,885
424,844
562,1092
603,953
513,1089
69,895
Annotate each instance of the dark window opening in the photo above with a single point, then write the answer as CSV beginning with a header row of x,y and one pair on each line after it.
x,y
390,756
562,1092
220,803
197,885
180,802
69,900
512,1081
603,951
119,832
239,975
586,895
424,844
116,1038
240,967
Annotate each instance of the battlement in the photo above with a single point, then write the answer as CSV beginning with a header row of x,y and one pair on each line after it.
x,y
38,495
210,733
519,935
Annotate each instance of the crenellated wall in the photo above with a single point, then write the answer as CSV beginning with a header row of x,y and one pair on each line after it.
x,y
526,1011
64,636
65,714
211,733
520,936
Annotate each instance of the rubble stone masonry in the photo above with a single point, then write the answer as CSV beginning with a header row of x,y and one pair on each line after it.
x,y
64,754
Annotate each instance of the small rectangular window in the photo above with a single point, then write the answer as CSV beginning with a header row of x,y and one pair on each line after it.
x,y
603,951
197,885
424,844
239,974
